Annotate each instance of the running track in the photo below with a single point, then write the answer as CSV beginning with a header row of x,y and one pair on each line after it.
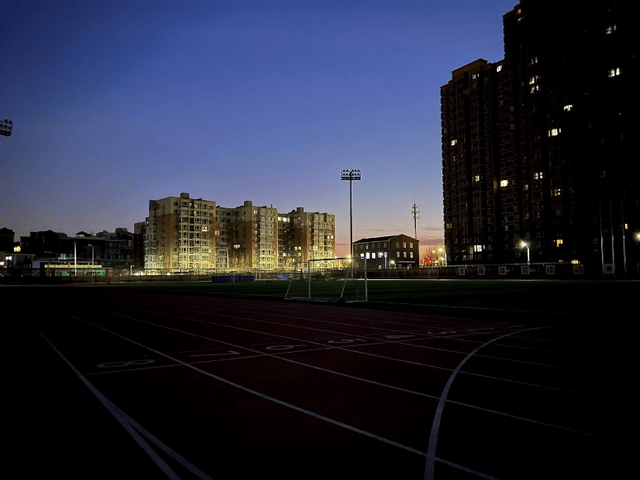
x,y
145,385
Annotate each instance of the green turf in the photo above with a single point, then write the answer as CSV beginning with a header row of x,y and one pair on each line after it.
x,y
447,297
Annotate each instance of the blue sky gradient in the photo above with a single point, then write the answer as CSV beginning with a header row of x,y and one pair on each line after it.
x,y
114,103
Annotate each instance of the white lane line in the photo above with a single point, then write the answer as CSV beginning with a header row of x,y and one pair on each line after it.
x,y
373,382
259,394
310,319
352,349
130,425
435,427
333,332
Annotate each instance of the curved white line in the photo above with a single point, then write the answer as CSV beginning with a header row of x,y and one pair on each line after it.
x,y
435,427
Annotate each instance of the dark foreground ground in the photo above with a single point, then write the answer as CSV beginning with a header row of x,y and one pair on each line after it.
x,y
117,383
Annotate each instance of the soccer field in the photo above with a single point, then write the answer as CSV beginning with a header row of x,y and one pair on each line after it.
x,y
444,297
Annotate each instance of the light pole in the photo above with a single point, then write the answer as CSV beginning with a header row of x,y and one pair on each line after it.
x,y
526,245
93,269
350,175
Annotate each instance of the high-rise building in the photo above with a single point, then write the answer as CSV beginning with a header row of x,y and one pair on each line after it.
x,y
537,148
195,235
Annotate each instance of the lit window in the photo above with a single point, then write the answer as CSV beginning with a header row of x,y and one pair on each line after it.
x,y
614,72
610,29
568,108
557,192
558,242
476,178
554,132
454,142
504,183
538,175
499,68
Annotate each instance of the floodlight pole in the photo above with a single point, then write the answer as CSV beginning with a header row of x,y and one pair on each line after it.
x,y
350,175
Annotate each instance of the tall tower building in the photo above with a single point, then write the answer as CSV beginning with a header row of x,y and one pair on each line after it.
x,y
537,147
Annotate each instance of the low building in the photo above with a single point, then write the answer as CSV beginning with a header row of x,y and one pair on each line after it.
x,y
392,251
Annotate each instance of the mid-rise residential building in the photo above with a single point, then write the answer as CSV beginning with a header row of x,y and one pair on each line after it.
x,y
539,148
195,235
179,235
304,236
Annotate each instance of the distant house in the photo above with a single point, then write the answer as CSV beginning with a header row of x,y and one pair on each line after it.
x,y
391,251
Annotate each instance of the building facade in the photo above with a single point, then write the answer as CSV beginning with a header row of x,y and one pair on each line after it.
x,y
392,251
537,148
185,235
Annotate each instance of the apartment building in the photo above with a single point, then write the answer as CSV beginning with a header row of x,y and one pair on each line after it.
x,y
195,235
304,236
179,235
538,149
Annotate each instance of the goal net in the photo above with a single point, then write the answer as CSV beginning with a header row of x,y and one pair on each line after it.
x,y
329,280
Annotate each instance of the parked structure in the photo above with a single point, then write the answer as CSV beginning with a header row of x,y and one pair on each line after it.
x,y
539,160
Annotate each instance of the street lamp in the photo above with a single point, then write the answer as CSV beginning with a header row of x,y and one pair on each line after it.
x,y
526,245
92,260
350,175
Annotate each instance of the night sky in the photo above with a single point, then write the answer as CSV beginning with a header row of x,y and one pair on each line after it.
x,y
114,103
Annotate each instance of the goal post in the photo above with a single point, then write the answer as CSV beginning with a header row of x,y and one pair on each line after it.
x,y
329,280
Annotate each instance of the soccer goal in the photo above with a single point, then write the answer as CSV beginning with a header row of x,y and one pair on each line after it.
x,y
329,280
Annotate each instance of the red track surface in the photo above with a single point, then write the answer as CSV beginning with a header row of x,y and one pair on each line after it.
x,y
129,385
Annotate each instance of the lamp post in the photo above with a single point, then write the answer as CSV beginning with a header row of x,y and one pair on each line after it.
x,y
526,245
350,175
93,269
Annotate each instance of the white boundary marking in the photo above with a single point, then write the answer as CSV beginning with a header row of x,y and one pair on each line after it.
x,y
352,348
131,426
435,427
393,387
259,394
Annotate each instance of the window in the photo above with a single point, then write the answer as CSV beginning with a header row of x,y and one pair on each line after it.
x,y
504,183
613,72
610,29
554,132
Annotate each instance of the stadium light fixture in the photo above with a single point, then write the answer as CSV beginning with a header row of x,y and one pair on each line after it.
x,y
5,127
351,175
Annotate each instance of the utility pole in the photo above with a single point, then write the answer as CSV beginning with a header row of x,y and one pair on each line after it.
x,y
415,210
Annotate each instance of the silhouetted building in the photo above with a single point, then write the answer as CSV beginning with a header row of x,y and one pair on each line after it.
x,y
110,249
539,147
7,241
